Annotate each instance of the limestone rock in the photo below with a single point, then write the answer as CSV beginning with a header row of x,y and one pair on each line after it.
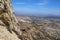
x,y
8,18
6,35
46,30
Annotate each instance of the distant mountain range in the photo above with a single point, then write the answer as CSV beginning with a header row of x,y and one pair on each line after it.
x,y
52,16
38,15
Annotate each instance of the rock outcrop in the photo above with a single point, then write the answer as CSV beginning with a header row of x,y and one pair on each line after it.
x,y
8,18
39,29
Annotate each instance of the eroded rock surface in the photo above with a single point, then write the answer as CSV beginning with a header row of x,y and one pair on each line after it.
x,y
39,29
8,18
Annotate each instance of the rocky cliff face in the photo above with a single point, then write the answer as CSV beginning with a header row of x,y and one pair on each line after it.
x,y
8,18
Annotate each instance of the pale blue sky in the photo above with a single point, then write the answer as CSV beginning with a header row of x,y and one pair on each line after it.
x,y
37,7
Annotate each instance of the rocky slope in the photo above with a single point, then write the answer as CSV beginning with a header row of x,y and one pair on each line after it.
x,y
9,28
5,34
35,29
39,29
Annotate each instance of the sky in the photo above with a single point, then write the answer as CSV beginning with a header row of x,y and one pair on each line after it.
x,y
37,7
